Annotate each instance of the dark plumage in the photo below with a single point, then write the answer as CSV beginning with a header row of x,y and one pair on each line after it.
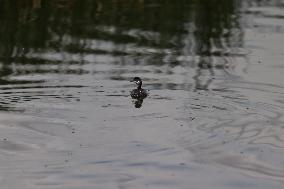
x,y
138,93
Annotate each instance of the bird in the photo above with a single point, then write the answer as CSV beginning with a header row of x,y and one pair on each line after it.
x,y
139,93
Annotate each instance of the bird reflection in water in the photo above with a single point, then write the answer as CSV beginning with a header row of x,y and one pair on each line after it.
x,y
138,94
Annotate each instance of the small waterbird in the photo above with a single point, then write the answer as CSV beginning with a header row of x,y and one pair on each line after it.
x,y
138,93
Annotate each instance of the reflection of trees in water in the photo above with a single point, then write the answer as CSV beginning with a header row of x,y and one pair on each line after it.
x,y
218,33
132,27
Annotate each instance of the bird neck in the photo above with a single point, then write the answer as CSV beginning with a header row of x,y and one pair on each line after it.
x,y
139,86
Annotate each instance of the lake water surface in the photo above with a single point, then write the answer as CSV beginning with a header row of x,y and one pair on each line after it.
x,y
214,117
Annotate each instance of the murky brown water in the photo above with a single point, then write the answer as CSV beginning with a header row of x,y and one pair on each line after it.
x,y
214,117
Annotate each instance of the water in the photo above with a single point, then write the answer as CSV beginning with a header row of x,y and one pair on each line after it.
x,y
214,117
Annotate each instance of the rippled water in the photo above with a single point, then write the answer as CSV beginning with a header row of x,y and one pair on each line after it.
x,y
214,117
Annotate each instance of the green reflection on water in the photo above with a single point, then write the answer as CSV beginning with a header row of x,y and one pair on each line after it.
x,y
47,25
154,32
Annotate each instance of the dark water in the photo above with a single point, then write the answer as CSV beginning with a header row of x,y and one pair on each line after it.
x,y
214,117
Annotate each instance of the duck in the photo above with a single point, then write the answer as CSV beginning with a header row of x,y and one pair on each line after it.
x,y
138,93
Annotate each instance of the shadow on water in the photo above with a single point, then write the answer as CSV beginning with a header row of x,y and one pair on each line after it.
x,y
138,103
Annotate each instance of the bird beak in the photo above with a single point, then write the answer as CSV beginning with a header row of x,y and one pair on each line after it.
x,y
131,80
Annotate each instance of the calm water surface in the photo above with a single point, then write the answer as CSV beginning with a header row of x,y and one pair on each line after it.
x,y
214,117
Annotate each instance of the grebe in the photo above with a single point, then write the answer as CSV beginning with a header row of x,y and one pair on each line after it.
x,y
138,93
